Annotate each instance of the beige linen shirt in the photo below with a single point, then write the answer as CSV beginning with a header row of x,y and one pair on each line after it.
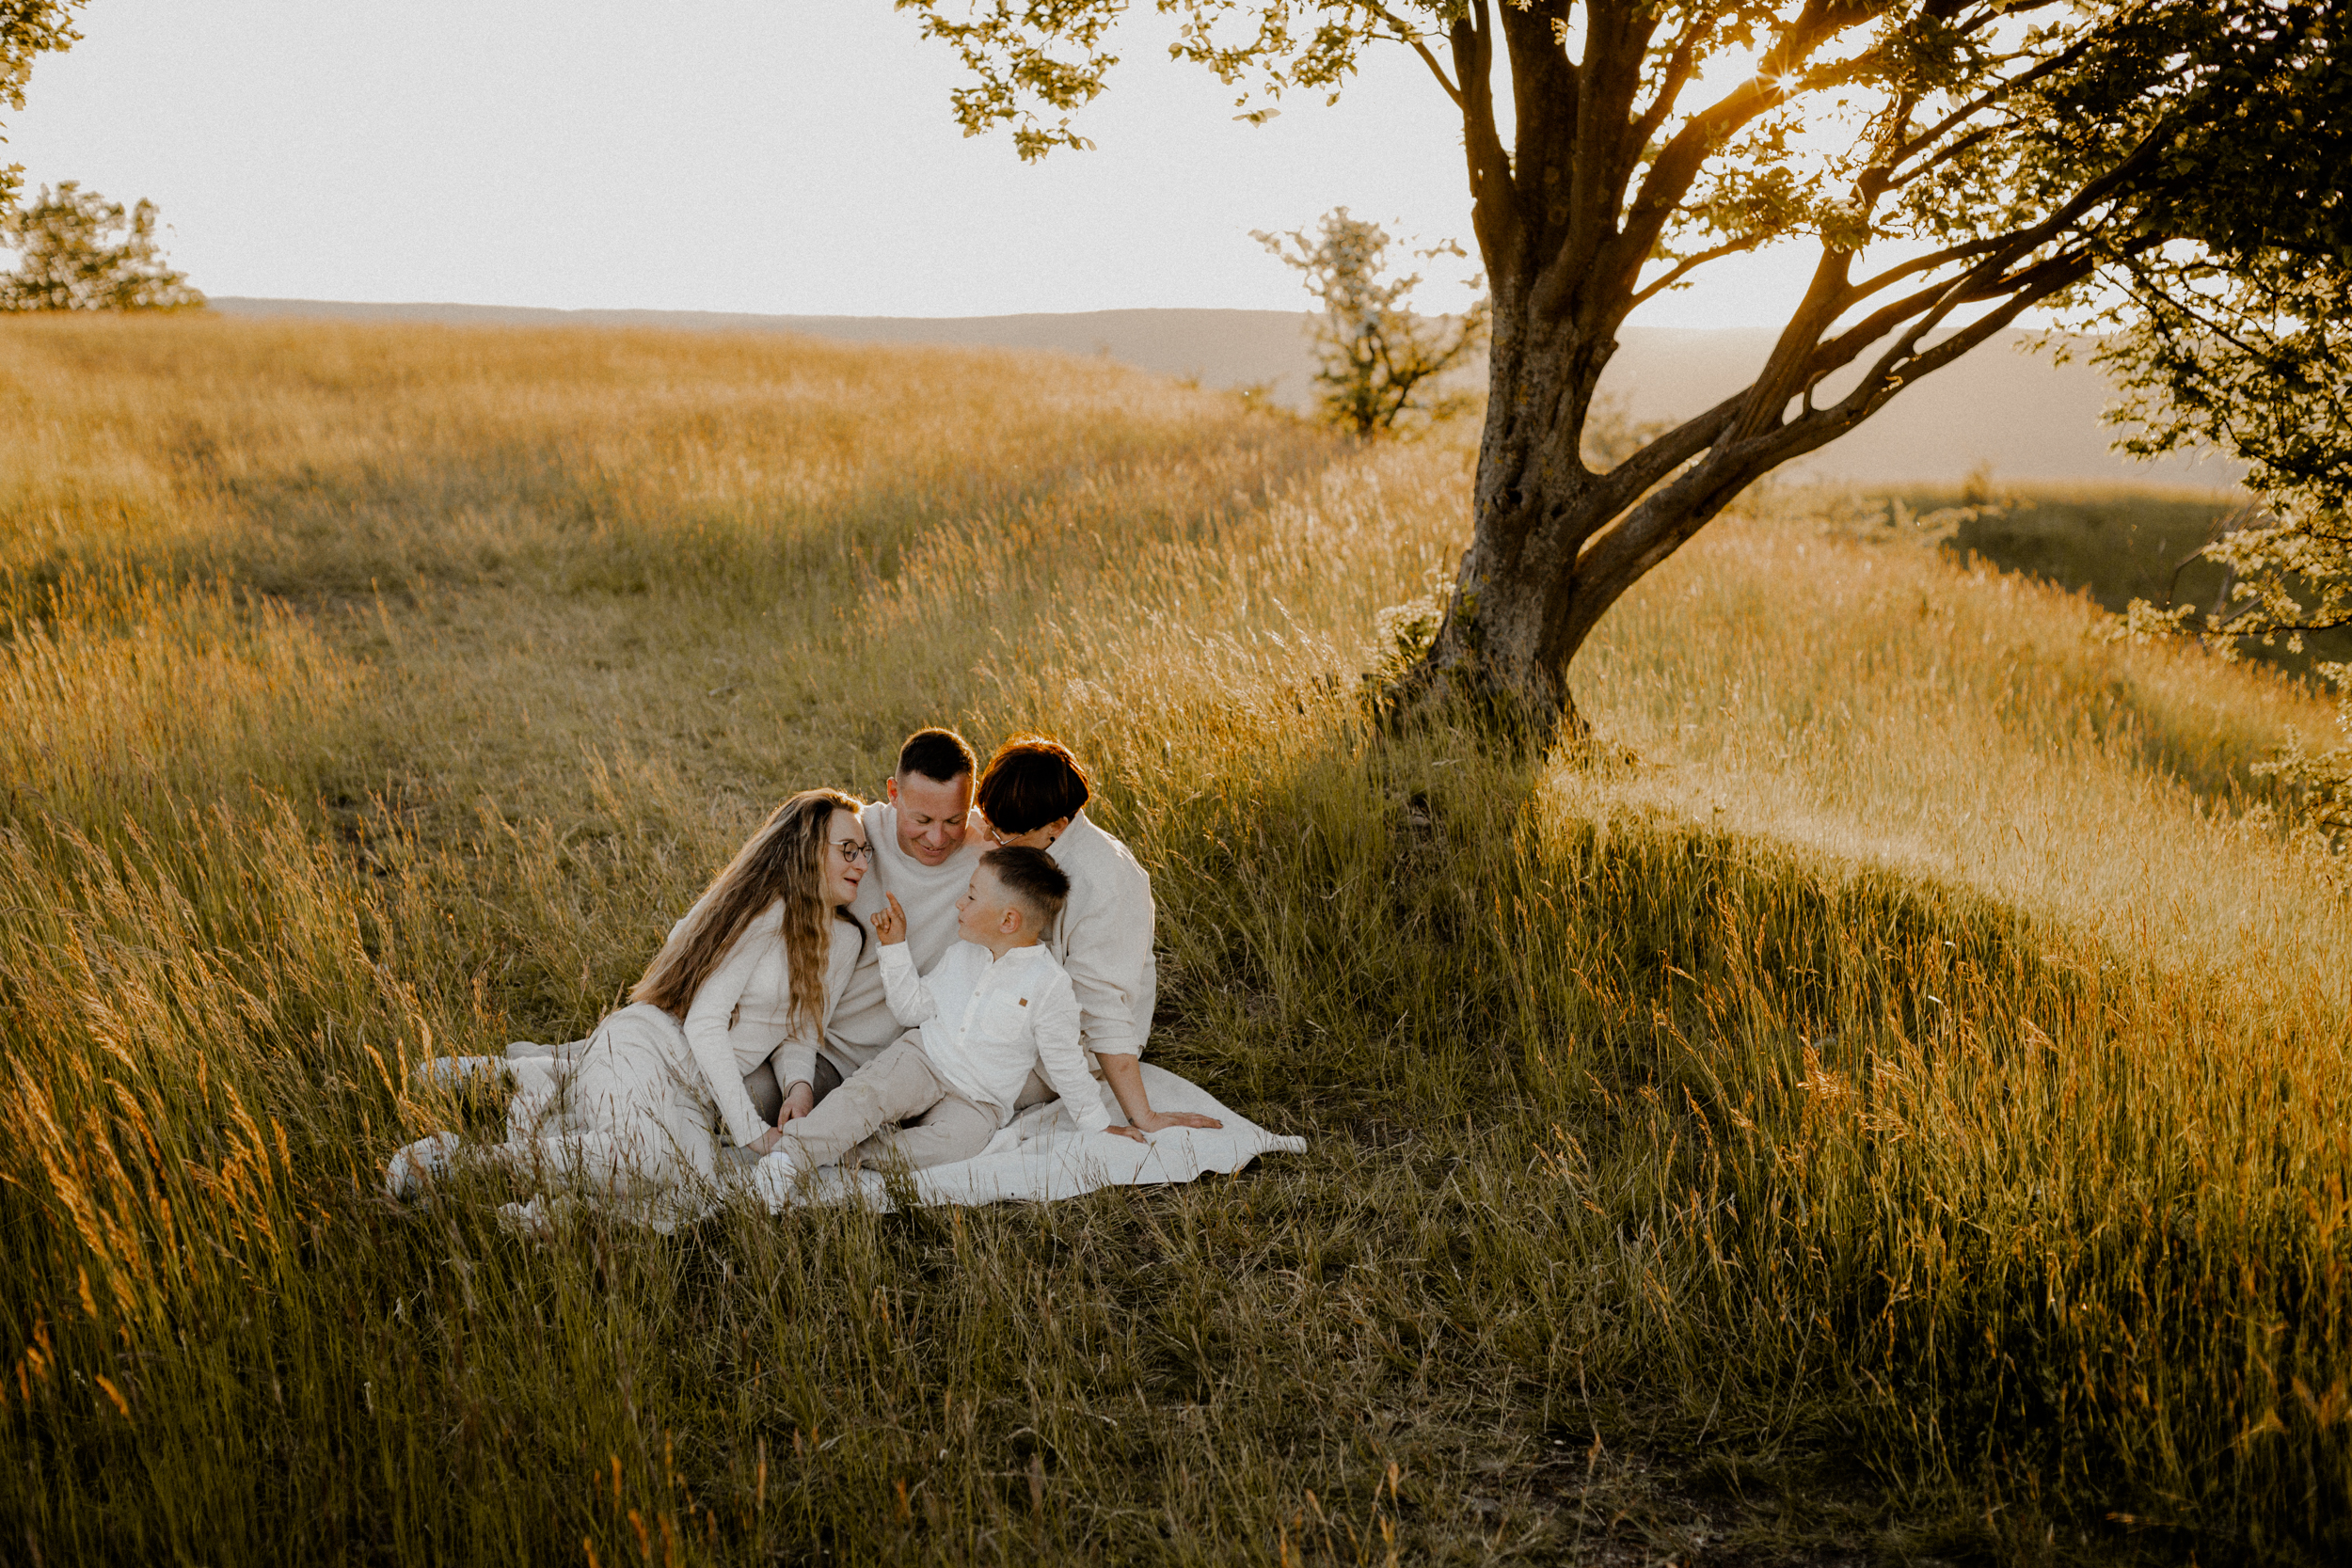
x,y
861,1025
1103,939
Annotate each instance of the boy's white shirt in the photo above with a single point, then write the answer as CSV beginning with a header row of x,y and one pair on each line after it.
x,y
986,1021
863,1022
742,1014
1103,938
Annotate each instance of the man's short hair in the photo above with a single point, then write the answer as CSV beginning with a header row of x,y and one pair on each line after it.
x,y
941,755
1032,879
1031,781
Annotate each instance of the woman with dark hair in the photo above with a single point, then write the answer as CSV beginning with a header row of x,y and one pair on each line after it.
x,y
1034,792
751,973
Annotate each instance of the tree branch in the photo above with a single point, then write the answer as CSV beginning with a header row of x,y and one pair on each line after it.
x,y
1906,362
1896,181
1406,35
1676,77
1990,97
1623,484
1678,163
1548,92
1494,199
1689,264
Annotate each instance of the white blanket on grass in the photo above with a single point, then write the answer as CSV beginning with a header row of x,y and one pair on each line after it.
x,y
1043,1154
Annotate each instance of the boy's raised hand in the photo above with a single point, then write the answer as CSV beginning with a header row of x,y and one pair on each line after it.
x,y
890,924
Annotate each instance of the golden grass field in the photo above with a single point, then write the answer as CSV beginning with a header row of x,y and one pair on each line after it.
x,y
1895,1107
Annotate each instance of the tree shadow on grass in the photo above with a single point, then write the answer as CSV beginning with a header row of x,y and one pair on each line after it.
x,y
1721,1150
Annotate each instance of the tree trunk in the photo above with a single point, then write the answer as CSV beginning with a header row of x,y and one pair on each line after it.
x,y
1556,544
1505,642
1544,560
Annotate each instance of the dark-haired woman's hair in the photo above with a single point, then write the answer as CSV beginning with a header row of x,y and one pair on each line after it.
x,y
1031,781
784,860
941,755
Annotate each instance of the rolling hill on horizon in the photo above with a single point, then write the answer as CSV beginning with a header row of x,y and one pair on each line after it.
x,y
2001,408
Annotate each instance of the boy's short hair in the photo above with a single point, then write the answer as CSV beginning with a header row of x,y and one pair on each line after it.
x,y
1032,879
1031,781
941,755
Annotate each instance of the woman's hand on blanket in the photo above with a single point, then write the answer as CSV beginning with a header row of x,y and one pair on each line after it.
x,y
766,1143
890,924
1120,1131
1156,1121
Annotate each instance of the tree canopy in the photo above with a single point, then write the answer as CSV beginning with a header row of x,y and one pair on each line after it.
x,y
2239,343
2161,167
80,251
28,28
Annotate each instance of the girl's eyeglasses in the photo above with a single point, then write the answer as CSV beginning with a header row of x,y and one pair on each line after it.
x,y
852,851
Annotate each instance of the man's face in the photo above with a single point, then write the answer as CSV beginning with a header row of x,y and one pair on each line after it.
x,y
933,816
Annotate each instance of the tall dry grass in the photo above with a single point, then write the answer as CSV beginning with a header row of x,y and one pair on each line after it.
x,y
1925,1062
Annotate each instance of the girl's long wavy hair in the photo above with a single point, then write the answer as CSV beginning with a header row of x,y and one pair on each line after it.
x,y
784,860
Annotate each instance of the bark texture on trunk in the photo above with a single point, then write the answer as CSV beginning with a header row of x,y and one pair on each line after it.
x,y
1545,561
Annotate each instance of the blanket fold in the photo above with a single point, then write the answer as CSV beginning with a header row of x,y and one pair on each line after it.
x,y
1043,1154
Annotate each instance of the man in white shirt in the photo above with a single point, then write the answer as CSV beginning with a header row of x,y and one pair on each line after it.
x,y
993,1009
924,850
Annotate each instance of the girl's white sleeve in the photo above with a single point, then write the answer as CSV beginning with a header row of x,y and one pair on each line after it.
x,y
794,1060
707,1020
1065,1064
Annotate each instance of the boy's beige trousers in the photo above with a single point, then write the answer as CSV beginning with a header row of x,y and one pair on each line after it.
x,y
937,1125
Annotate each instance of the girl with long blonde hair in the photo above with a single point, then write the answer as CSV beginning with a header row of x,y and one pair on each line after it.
x,y
751,974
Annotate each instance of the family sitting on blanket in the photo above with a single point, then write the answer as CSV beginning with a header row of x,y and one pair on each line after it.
x,y
1010,961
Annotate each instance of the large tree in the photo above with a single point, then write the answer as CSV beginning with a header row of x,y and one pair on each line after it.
x,y
1956,164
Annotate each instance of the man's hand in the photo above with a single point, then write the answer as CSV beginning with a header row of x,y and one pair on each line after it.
x,y
1118,1131
1156,1121
890,924
797,1101
766,1143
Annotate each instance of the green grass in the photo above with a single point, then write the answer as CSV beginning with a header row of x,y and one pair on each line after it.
x,y
2112,543
1897,1115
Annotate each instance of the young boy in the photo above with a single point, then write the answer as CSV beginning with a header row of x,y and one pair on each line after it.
x,y
995,1005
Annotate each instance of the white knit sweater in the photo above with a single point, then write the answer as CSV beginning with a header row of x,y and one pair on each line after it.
x,y
1104,939
862,1023
741,1016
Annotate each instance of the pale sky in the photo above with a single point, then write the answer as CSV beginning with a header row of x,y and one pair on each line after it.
x,y
777,156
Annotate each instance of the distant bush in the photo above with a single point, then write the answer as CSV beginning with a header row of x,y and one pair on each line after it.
x,y
1381,364
71,259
